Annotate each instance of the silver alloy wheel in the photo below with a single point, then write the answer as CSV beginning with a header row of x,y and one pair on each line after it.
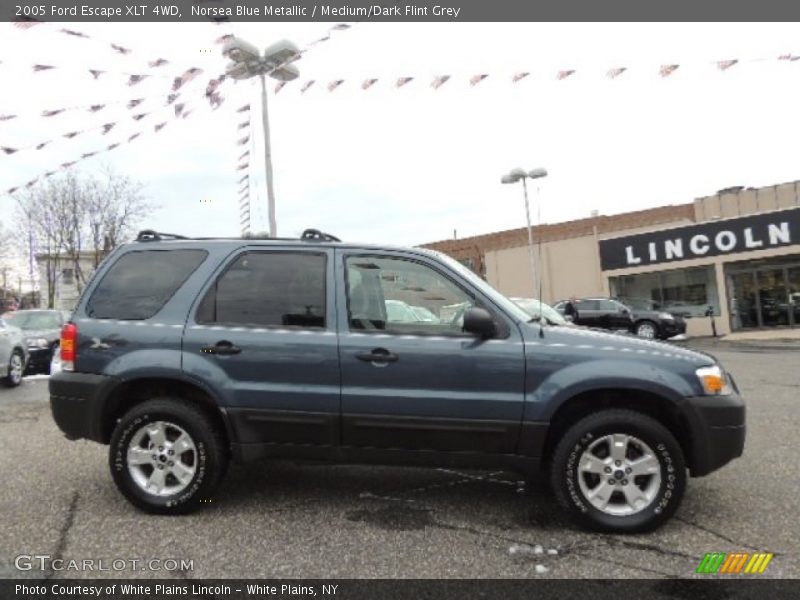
x,y
15,367
646,330
162,458
619,474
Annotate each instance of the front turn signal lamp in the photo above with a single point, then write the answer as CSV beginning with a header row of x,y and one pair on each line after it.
x,y
714,381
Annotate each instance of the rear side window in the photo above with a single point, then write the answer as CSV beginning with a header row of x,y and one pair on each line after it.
x,y
140,283
268,289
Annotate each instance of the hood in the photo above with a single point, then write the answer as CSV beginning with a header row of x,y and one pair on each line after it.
x,y
584,341
51,335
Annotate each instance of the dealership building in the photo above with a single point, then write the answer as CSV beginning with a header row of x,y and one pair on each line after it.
x,y
737,252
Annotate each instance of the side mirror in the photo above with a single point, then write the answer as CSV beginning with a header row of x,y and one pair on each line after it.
x,y
479,322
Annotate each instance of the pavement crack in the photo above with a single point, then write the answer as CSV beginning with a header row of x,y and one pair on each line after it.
x,y
627,565
717,534
61,544
650,547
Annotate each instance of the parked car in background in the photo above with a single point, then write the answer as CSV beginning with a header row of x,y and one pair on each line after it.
x,y
536,308
42,331
608,313
13,354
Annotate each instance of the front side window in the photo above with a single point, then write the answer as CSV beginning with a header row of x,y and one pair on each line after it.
x,y
268,289
395,295
140,283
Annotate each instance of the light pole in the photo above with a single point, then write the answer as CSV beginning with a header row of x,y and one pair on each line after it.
x,y
248,62
514,176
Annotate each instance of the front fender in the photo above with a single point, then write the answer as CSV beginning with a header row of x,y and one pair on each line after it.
x,y
546,396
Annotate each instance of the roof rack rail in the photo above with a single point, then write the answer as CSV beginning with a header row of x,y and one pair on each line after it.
x,y
149,235
316,234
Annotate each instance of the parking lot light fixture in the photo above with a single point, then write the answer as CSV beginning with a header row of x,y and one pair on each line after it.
x,y
514,176
247,62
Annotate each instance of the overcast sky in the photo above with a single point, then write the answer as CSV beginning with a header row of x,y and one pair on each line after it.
x,y
408,166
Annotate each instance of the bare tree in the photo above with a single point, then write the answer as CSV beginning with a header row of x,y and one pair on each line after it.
x,y
64,218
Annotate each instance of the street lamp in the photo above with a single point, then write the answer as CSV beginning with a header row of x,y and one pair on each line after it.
x,y
247,62
514,176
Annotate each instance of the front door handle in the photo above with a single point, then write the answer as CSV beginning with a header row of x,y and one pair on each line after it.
x,y
378,355
223,347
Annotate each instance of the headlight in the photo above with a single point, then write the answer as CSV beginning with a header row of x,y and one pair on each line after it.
x,y
714,381
666,316
37,343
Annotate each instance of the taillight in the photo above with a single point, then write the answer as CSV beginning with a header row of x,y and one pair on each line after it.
x,y
69,337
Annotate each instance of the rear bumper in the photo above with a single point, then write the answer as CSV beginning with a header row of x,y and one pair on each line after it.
x,y
76,401
717,425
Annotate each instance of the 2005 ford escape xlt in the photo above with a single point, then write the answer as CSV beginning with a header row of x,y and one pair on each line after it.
x,y
183,354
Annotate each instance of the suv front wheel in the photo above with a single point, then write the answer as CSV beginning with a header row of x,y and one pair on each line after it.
x,y
619,471
166,456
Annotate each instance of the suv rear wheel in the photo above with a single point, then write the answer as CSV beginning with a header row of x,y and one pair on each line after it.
x,y
619,471
166,456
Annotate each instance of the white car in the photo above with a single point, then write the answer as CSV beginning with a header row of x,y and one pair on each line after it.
x,y
13,354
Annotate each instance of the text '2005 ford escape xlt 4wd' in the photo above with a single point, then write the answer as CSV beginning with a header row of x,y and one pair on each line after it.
x,y
185,353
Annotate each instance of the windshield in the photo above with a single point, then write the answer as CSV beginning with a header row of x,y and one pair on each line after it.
x,y
34,320
483,286
534,307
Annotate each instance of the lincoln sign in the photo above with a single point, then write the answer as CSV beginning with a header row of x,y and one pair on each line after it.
x,y
743,234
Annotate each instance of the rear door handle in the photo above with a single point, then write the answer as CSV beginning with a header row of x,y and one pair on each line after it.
x,y
223,347
378,355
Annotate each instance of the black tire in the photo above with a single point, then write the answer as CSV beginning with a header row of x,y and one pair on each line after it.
x,y
564,475
10,379
211,455
639,328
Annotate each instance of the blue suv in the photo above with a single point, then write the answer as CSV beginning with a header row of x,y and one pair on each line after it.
x,y
184,354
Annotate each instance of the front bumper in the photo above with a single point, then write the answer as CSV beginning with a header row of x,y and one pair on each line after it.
x,y
672,328
717,427
39,359
76,401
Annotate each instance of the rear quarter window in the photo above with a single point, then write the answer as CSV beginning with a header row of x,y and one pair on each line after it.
x,y
140,283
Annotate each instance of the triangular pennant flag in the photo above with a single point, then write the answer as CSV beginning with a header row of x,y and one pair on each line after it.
x,y
112,146
96,107
134,136
334,84
108,127
42,67
244,108
31,182
88,154
135,102
159,62
72,134
322,39
402,81
243,141
368,83
615,72
244,155
159,126
8,150
67,165
74,33
306,85
49,173
186,114
244,190
279,86
179,108
96,73
476,79
439,81
134,79
245,178
340,27
243,124
140,116
564,74
242,167
171,98
667,70
11,190
120,49
518,76
42,145
26,23
7,117
724,65
52,113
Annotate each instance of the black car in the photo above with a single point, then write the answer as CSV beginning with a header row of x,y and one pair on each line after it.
x,y
42,331
643,318
241,349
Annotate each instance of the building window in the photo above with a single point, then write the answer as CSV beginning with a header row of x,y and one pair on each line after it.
x,y
684,291
68,276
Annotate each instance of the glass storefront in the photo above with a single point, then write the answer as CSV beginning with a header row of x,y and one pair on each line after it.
x,y
685,291
764,293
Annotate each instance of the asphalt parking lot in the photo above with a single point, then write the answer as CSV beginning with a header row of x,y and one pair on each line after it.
x,y
318,521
